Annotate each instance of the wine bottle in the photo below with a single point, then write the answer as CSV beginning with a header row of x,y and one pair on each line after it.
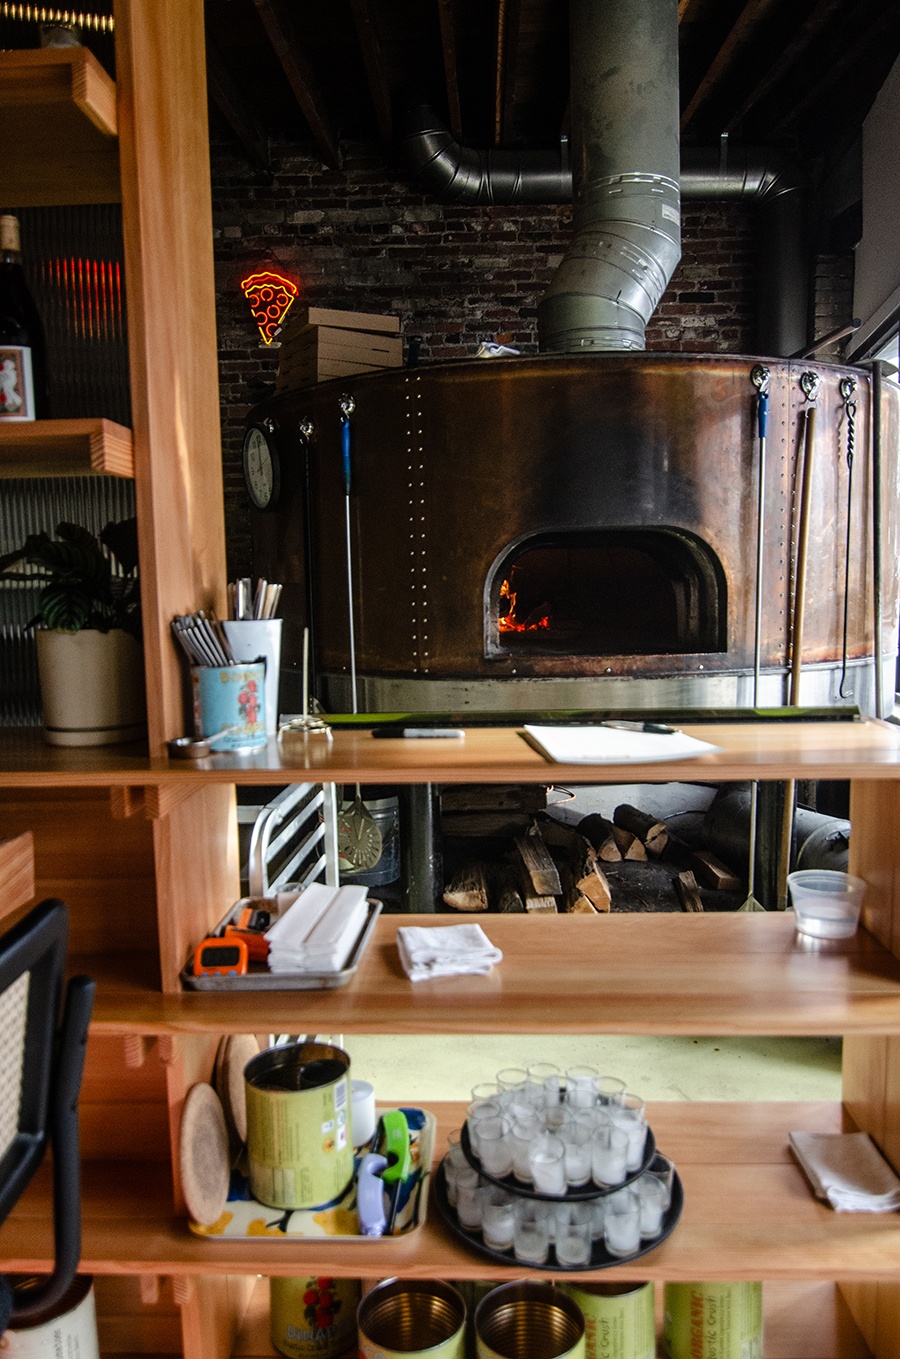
x,y
23,360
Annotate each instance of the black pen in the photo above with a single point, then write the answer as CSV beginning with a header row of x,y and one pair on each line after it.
x,y
659,727
420,733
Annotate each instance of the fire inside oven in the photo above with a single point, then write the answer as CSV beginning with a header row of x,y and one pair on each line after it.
x,y
622,592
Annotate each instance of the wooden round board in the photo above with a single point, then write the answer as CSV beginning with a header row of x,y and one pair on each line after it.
x,y
203,1154
239,1048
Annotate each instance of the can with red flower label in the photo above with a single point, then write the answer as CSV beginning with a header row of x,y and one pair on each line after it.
x,y
313,1318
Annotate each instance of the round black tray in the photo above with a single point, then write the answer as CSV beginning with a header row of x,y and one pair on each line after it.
x,y
600,1256
524,1191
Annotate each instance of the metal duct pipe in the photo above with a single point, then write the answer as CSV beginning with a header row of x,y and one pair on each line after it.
x,y
458,174
627,205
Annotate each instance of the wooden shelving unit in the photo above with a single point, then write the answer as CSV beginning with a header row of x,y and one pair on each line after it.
x,y
61,124
65,448
144,851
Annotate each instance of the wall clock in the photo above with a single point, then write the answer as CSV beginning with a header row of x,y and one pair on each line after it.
x,y
262,466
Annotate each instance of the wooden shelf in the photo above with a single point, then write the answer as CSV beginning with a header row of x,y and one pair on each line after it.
x,y
623,974
748,1214
59,117
65,448
865,749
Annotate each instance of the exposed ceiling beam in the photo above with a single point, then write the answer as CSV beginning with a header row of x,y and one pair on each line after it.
x,y
802,39
742,30
507,67
232,105
447,19
882,18
373,56
277,23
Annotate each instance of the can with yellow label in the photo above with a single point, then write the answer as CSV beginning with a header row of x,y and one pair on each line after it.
x,y
619,1319
314,1317
713,1321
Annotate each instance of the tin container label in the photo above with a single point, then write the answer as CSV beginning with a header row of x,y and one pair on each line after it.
x,y
229,705
313,1318
618,1324
713,1321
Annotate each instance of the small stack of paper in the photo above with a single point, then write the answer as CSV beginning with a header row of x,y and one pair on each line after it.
x,y
317,932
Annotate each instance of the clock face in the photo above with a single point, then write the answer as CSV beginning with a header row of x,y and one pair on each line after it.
x,y
261,468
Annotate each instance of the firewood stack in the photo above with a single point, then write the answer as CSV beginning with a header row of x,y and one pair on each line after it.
x,y
635,862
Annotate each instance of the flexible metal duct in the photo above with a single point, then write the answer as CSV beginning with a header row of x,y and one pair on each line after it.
x,y
625,177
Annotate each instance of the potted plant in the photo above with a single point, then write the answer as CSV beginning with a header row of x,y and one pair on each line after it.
x,y
88,630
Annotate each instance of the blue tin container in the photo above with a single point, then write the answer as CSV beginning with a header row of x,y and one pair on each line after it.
x,y
230,705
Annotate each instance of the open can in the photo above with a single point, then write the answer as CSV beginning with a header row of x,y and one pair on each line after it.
x,y
299,1143
537,1319
412,1319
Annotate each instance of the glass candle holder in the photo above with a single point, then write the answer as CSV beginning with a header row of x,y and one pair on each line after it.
x,y
521,1137
497,1218
622,1223
494,1146
578,1156
580,1091
609,1089
531,1239
652,1194
609,1155
546,1156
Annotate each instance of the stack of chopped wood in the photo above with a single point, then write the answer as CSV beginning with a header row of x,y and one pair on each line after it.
x,y
553,866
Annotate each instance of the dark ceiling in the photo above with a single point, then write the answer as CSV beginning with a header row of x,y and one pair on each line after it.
x,y
799,75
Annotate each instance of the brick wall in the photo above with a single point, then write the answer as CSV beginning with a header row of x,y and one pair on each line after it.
x,y
362,238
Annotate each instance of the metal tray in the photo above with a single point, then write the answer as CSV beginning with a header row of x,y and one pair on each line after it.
x,y
259,978
600,1256
246,1219
587,1192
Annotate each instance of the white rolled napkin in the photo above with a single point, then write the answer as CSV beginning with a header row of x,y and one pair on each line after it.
x,y
848,1171
445,951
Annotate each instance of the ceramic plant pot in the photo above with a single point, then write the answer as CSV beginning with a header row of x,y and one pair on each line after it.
x,y
92,687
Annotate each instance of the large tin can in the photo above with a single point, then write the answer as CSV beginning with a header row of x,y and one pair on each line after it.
x,y
313,1318
299,1144
67,1329
619,1319
534,1319
412,1319
713,1321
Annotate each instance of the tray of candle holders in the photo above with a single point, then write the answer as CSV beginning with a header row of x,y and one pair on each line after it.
x,y
259,978
572,1195
601,1258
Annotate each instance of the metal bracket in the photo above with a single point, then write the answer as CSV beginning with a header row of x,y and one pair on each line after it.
x,y
348,406
809,382
760,376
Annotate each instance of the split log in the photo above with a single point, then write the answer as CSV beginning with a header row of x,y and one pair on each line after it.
x,y
540,905
505,893
573,899
467,890
652,834
479,825
537,864
687,891
629,845
711,872
602,835
575,854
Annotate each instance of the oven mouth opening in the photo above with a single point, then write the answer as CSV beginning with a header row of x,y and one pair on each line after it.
x,y
610,592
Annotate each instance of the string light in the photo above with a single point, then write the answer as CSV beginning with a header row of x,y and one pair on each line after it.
x,y
46,14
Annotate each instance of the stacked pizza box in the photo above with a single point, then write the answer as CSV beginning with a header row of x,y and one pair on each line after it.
x,y
318,343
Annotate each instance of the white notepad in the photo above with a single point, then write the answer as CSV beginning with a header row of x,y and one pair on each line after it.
x,y
611,745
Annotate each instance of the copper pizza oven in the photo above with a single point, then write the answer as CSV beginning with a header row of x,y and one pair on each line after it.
x,y
562,531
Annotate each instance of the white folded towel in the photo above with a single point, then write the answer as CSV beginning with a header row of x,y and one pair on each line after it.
x,y
446,951
317,932
848,1171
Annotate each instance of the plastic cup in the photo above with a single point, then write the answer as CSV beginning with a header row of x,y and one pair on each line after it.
x,y
826,902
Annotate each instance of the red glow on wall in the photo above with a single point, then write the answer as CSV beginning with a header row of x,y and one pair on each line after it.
x,y
270,296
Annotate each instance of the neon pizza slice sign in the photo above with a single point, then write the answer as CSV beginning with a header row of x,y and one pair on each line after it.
x,y
270,296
